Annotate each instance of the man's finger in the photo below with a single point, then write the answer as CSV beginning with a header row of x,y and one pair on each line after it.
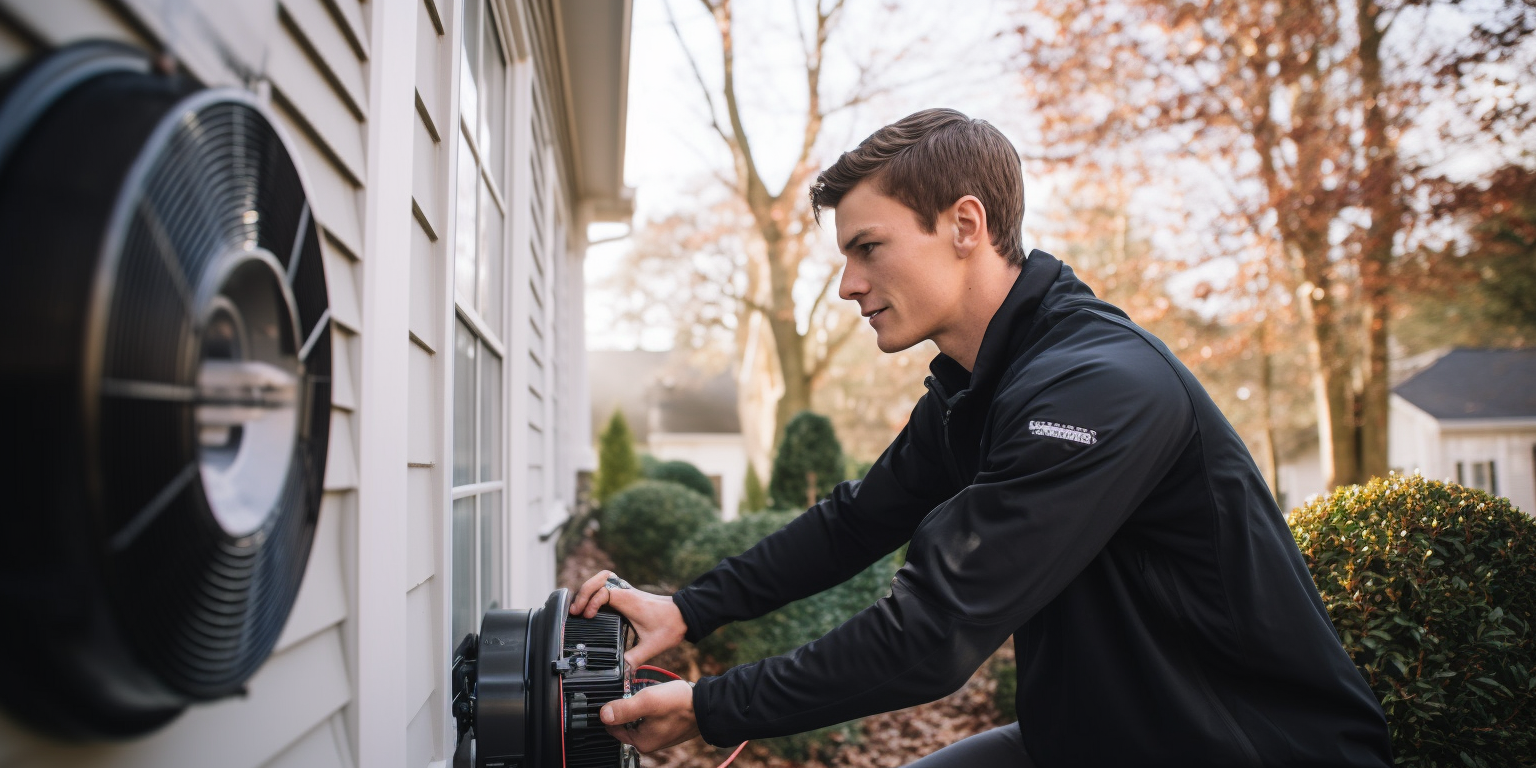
x,y
649,646
591,587
623,710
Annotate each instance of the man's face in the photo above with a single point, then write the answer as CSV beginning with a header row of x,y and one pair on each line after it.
x,y
907,282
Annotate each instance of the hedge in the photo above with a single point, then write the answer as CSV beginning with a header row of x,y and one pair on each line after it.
x,y
684,474
642,526
1432,588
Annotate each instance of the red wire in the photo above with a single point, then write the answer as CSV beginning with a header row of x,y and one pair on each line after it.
x,y
667,672
728,760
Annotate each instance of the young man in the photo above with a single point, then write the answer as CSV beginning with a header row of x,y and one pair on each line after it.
x,y
1065,481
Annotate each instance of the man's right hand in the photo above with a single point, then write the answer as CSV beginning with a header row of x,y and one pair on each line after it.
x,y
657,621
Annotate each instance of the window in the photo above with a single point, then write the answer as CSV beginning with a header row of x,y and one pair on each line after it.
x,y
479,267
1484,476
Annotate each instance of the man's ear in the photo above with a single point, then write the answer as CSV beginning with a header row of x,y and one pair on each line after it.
x,y
970,225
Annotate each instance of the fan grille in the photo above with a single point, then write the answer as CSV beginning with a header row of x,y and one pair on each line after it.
x,y
202,606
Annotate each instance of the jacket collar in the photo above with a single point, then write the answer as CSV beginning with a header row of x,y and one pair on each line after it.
x,y
1006,330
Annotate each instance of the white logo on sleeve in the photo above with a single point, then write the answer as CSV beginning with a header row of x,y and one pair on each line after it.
x,y
1063,431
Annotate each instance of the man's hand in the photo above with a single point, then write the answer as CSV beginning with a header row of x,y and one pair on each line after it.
x,y
657,717
656,618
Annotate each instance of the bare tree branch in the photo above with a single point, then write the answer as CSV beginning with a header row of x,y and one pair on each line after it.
x,y
698,75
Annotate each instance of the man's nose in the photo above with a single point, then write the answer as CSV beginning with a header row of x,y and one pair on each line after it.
x,y
852,285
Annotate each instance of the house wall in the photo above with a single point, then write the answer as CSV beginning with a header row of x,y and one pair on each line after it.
x,y
1413,440
360,674
1301,478
1513,451
719,455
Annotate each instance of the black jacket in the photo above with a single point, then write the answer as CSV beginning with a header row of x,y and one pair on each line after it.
x,y
1079,491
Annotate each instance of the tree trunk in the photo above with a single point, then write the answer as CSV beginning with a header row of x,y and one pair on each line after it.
x,y
1379,193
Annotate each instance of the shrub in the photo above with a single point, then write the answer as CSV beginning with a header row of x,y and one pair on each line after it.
x,y
789,627
617,465
684,474
642,526
809,462
1432,588
753,497
1005,696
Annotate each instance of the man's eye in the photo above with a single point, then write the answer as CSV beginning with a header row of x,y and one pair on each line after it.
x,y
868,247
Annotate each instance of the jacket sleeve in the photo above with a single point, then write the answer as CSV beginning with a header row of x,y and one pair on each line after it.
x,y
860,522
990,557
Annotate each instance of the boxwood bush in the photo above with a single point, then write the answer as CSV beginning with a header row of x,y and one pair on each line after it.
x,y
642,526
684,474
787,628
1432,588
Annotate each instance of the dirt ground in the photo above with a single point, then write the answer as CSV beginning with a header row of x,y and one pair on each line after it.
x,y
889,740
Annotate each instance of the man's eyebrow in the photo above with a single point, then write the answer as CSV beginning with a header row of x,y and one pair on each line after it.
x,y
856,236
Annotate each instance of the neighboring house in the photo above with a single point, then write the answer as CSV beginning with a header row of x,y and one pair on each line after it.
x,y
454,153
1471,418
1466,416
676,413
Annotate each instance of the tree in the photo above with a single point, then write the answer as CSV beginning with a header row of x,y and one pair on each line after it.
x,y
809,462
753,497
617,465
804,339
1297,109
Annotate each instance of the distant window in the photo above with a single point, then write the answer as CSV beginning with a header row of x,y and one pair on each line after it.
x,y
1483,475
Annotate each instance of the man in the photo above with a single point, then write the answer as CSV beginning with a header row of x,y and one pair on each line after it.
x,y
1065,481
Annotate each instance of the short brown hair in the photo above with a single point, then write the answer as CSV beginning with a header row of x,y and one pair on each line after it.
x,y
927,161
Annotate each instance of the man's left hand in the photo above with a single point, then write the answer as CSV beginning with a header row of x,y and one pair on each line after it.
x,y
657,717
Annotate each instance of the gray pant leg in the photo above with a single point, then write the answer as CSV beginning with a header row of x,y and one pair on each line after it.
x,y
1001,746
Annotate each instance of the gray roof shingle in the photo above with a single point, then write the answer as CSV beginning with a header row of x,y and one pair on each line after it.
x,y
1476,384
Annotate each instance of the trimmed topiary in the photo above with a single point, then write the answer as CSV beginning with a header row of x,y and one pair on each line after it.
x,y
754,498
684,474
617,465
808,464
789,627
1432,588
642,526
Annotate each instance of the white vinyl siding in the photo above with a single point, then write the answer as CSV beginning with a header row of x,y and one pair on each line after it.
x,y
490,177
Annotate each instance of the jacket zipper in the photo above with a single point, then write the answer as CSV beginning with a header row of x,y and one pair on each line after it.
x,y
949,407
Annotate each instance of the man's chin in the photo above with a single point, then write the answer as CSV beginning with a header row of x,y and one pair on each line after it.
x,y
890,342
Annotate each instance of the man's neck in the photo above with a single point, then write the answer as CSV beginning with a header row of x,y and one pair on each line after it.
x,y
986,288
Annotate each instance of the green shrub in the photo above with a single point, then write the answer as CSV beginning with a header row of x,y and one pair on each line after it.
x,y
1005,696
642,526
684,474
1432,588
789,627
617,465
753,497
808,464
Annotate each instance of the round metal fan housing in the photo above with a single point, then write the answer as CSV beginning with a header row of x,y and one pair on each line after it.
x,y
165,321
528,688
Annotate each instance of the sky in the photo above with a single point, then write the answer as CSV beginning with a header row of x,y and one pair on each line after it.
x,y
943,58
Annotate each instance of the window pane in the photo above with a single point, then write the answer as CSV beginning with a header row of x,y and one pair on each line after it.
x,y
469,63
466,613
490,550
493,121
490,415
467,234
491,261
464,344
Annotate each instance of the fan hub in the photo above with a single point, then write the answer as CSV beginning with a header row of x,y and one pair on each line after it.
x,y
247,387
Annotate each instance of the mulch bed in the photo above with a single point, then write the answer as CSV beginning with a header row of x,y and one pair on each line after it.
x,y
889,740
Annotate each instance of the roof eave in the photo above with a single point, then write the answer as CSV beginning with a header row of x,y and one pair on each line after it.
x,y
594,39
